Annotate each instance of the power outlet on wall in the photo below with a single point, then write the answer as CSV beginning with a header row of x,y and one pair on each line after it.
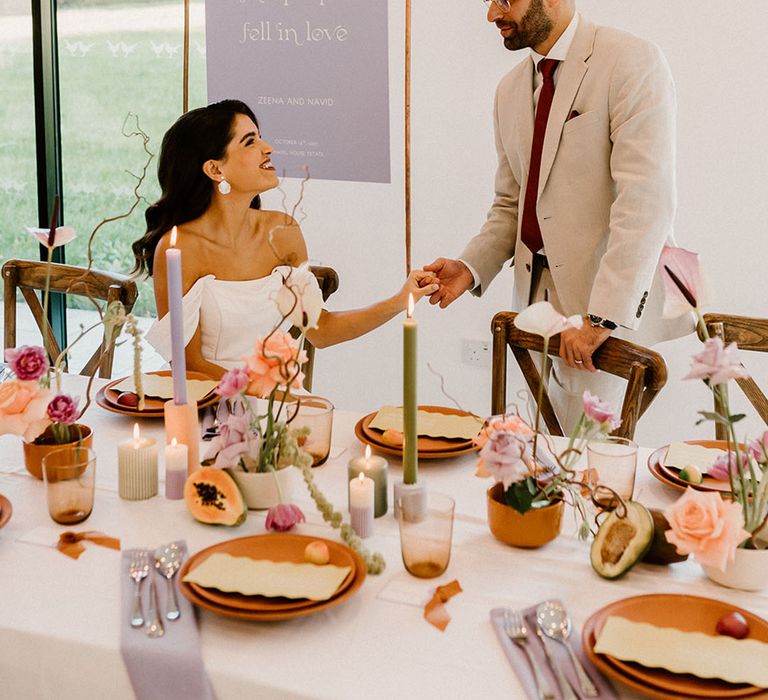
x,y
476,352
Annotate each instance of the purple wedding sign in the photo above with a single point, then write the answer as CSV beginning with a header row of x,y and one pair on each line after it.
x,y
315,72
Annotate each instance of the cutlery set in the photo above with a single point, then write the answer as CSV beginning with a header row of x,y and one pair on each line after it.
x,y
552,622
167,560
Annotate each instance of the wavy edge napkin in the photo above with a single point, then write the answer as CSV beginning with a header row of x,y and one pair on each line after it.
x,y
519,661
172,665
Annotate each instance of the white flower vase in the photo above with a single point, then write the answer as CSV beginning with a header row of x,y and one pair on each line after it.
x,y
747,572
259,489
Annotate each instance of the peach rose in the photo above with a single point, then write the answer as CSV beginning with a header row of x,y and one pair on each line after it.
x,y
703,524
23,408
274,363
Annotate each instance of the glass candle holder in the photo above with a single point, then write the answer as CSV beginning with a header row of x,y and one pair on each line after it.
x,y
70,480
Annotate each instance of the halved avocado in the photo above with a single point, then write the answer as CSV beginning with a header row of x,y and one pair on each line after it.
x,y
622,541
661,550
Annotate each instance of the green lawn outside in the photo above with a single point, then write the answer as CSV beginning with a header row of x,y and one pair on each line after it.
x,y
104,77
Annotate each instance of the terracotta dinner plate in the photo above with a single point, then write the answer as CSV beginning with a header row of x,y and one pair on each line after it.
x,y
153,406
6,510
683,612
429,448
671,477
280,547
283,550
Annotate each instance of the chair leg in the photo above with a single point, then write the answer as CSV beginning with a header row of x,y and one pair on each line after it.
x,y
499,370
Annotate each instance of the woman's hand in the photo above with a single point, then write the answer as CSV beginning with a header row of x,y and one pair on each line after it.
x,y
419,283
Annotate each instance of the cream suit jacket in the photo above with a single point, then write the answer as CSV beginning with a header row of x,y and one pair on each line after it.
x,y
606,198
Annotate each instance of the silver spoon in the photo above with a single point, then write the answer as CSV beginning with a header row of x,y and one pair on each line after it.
x,y
168,562
553,620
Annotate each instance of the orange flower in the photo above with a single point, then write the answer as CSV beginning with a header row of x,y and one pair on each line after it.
x,y
23,407
275,362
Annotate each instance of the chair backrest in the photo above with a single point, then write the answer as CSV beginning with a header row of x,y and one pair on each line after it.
x,y
329,283
644,370
748,334
28,276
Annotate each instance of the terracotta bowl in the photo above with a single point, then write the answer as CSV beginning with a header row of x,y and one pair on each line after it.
x,y
534,529
34,453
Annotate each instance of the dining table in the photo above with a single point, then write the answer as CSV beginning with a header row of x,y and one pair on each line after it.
x,y
60,618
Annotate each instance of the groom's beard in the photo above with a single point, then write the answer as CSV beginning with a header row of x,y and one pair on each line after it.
x,y
534,28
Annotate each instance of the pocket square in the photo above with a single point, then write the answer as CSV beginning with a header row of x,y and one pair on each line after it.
x,y
573,115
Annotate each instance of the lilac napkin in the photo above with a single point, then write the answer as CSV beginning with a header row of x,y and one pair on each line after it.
x,y
557,651
172,665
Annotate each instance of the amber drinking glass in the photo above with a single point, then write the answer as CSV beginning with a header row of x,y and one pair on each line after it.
x,y
426,532
70,479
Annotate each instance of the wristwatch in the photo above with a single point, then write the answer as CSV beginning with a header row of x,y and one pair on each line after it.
x,y
598,321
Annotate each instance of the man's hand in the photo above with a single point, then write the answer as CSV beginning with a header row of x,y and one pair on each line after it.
x,y
454,277
578,344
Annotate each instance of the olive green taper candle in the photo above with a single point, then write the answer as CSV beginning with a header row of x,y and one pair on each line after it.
x,y
410,432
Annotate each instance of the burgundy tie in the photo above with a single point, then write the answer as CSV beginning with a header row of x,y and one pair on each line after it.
x,y
530,231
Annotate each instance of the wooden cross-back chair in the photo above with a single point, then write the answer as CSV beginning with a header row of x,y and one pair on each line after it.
x,y
328,280
644,370
748,334
28,276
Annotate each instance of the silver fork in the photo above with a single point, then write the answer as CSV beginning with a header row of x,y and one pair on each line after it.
x,y
514,626
138,570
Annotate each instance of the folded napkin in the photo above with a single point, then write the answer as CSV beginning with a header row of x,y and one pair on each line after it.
x,y
681,455
70,543
522,668
429,423
435,612
172,665
162,387
703,655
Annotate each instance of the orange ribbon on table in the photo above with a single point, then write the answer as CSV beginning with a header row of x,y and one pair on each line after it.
x,y
70,542
434,611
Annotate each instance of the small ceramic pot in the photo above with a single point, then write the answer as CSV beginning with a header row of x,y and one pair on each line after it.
x,y
532,529
747,572
34,451
259,489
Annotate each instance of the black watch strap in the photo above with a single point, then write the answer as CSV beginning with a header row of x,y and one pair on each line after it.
x,y
601,322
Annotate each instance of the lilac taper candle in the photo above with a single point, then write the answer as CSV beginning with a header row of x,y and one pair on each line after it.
x,y
178,360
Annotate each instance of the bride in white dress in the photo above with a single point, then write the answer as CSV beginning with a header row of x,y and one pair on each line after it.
x,y
213,165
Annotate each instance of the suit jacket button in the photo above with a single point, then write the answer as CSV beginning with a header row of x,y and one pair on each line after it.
x,y
527,267
645,296
639,313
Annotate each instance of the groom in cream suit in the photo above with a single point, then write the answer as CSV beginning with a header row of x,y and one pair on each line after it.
x,y
588,235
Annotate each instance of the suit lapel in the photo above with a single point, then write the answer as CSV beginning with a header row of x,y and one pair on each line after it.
x,y
571,75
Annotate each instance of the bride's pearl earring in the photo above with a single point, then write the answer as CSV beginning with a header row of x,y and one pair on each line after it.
x,y
224,186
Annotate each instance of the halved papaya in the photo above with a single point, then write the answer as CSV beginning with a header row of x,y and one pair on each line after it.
x,y
622,541
212,497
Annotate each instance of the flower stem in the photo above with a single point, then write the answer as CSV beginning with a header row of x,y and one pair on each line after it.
x,y
46,294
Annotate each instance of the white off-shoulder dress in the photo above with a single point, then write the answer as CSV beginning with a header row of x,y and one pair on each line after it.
x,y
231,314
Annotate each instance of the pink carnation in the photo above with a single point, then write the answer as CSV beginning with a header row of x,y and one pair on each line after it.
x,y
600,412
28,362
283,517
233,383
707,526
63,409
275,362
716,364
503,457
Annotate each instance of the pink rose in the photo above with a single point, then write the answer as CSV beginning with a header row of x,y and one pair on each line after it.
x,y
600,412
275,362
758,449
63,409
23,407
707,526
716,364
283,517
503,457
28,362
233,383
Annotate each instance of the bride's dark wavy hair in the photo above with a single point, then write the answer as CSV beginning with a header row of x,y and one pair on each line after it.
x,y
186,191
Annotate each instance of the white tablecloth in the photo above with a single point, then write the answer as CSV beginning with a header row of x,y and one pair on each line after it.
x,y
59,618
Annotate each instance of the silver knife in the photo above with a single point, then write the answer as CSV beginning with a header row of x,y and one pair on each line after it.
x,y
565,686
154,626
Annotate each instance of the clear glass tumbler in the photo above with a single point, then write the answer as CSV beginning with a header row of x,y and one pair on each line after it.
x,y
615,461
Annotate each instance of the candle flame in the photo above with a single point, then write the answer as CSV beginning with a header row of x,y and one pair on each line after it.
x,y
174,232
136,432
361,477
174,442
410,306
367,453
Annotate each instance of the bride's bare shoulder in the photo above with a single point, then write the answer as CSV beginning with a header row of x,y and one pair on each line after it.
x,y
284,235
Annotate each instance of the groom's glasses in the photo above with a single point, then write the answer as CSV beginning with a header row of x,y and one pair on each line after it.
x,y
503,4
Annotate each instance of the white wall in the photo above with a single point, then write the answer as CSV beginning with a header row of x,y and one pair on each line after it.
x,y
718,55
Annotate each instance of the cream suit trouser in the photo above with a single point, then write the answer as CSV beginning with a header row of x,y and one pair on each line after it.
x,y
566,386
